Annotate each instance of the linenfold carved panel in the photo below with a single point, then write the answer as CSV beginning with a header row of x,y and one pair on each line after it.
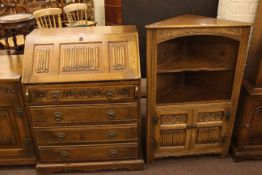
x,y
118,56
42,55
80,57
172,138
208,135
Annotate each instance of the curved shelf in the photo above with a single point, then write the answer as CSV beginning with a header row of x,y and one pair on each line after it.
x,y
192,63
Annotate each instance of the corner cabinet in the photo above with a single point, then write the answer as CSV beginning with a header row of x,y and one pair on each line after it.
x,y
16,145
194,71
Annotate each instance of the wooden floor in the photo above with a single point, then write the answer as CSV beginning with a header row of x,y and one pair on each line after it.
x,y
206,165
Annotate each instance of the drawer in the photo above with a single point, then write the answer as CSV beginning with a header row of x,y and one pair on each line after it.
x,y
80,93
9,94
84,113
86,134
89,153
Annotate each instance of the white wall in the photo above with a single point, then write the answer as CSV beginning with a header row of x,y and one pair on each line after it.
x,y
238,10
99,12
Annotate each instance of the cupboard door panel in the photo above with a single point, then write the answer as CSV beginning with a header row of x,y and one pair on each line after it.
x,y
209,127
253,131
8,136
13,144
171,131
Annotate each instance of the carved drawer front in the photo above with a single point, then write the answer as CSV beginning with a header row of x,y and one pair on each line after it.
x,y
80,92
86,134
172,132
9,95
210,126
108,113
89,153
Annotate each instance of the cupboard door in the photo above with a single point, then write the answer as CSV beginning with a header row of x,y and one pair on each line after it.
x,y
210,127
14,143
171,130
252,137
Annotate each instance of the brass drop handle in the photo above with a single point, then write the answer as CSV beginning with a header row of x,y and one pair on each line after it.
x,y
109,95
112,135
113,153
58,116
60,137
111,114
64,155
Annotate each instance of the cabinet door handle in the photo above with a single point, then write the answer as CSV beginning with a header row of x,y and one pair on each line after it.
x,y
113,153
111,114
64,155
58,116
112,135
60,137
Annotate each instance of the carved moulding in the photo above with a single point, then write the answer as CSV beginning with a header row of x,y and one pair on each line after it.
x,y
168,34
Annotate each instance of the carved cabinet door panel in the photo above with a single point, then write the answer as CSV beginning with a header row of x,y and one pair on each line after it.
x,y
252,132
209,129
13,138
172,133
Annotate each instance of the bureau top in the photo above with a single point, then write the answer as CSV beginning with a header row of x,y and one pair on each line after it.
x,y
81,54
192,21
10,67
98,30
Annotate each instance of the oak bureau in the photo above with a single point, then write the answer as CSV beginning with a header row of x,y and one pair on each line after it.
x,y
82,90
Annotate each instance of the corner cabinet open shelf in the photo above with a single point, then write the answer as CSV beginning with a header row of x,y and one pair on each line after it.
x,y
195,67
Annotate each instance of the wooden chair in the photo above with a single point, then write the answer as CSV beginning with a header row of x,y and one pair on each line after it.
x,y
77,15
48,18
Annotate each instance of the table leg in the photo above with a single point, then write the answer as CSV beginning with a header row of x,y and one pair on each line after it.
x,y
14,40
7,46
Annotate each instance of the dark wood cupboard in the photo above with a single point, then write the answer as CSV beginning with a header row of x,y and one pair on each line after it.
x,y
194,70
16,145
247,140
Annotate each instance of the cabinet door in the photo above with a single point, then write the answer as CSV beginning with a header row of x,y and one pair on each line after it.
x,y
14,143
252,137
210,127
171,130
